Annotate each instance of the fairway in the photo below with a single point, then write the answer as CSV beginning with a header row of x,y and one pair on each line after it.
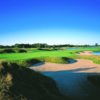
x,y
20,56
31,53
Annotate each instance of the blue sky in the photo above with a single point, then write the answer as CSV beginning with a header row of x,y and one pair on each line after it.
x,y
49,21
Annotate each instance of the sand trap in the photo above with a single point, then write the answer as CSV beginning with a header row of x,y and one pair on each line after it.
x,y
86,53
81,63
71,79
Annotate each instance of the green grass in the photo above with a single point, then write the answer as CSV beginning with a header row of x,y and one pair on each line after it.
x,y
34,53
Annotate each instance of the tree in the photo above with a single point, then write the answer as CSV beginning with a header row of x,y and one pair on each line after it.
x,y
96,44
38,45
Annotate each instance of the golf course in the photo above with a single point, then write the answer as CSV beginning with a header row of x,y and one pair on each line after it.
x,y
50,54
71,69
49,49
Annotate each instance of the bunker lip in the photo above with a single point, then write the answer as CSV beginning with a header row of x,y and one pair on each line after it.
x,y
86,53
81,63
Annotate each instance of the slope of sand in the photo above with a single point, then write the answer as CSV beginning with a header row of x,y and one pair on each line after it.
x,y
71,79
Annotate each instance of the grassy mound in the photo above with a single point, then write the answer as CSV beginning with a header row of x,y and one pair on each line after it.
x,y
27,62
21,50
20,83
60,60
13,50
7,51
30,62
94,58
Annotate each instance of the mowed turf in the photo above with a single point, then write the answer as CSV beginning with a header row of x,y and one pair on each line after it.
x,y
33,53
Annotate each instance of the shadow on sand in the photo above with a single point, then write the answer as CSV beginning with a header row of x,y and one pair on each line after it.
x,y
71,61
38,64
75,84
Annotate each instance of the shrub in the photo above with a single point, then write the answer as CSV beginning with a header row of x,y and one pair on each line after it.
x,y
22,50
44,49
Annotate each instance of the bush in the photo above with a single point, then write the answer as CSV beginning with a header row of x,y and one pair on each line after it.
x,y
44,49
22,50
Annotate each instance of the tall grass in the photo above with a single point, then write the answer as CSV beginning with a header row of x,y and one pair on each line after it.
x,y
94,58
61,60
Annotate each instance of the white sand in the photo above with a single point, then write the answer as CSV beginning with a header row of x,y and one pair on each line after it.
x,y
81,63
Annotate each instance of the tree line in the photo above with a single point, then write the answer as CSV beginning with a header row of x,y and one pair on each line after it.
x,y
44,45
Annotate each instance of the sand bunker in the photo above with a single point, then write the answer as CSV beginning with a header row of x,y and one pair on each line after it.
x,y
81,63
71,79
86,53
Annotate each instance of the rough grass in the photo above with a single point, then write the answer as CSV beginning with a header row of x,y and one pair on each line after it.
x,y
20,83
61,60
94,58
27,62
30,62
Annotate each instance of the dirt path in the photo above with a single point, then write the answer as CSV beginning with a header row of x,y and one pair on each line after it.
x,y
71,79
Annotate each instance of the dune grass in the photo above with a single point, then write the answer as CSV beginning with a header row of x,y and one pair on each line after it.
x,y
59,60
20,83
94,58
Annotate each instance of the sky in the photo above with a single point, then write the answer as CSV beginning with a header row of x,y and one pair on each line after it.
x,y
49,21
